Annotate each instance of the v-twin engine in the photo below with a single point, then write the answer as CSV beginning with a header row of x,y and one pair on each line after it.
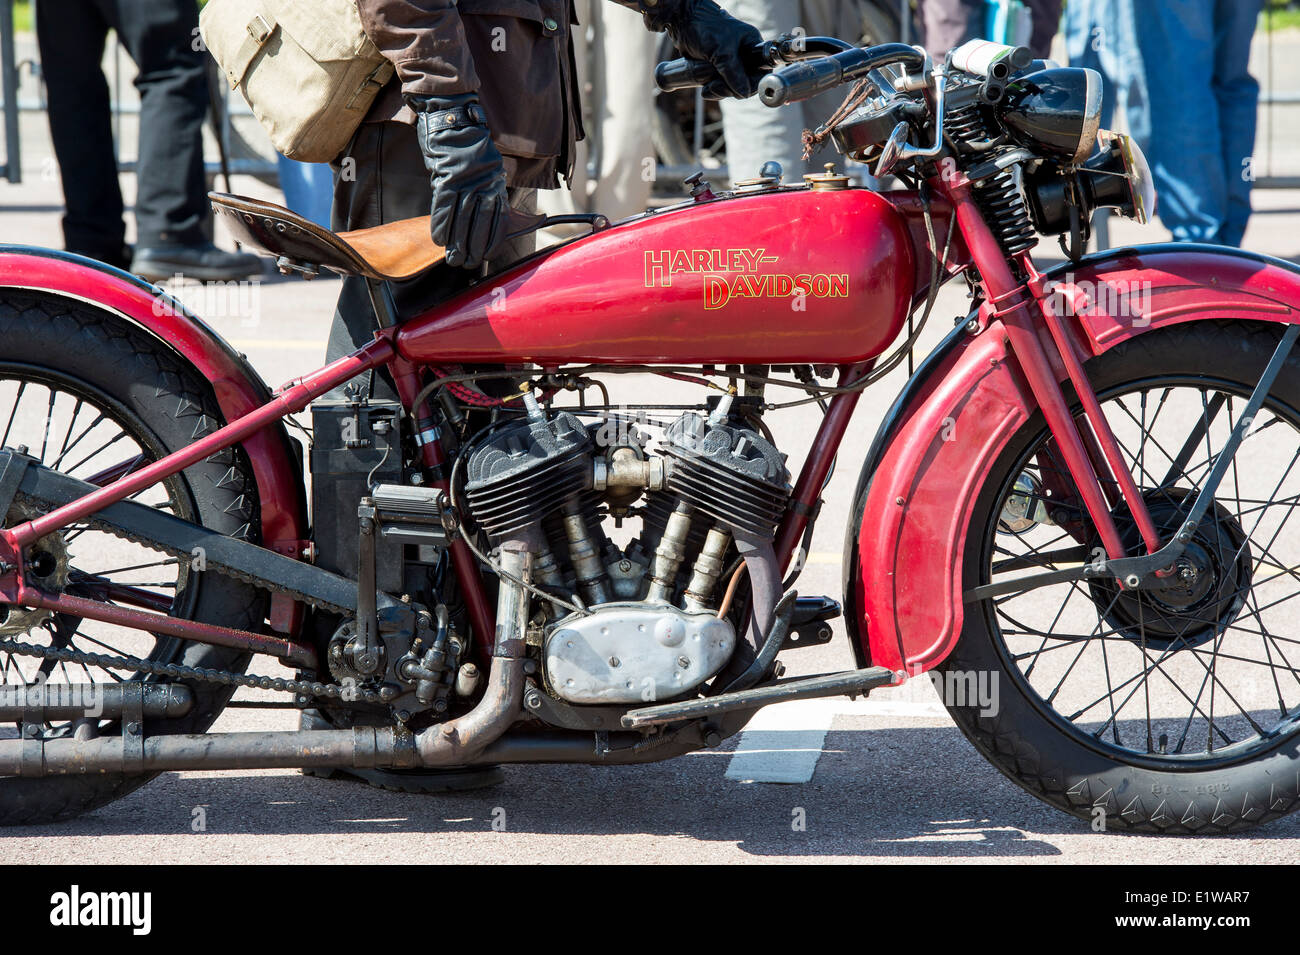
x,y
642,622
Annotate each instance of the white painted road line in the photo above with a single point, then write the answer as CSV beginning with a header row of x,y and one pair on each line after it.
x,y
783,743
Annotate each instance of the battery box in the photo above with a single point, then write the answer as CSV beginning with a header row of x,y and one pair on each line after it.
x,y
355,444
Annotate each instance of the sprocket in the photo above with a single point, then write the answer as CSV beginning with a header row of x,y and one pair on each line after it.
x,y
46,565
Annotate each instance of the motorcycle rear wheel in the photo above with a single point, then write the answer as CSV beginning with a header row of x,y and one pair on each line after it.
x,y
87,392
1175,713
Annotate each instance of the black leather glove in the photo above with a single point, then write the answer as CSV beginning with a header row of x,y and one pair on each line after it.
x,y
702,30
468,215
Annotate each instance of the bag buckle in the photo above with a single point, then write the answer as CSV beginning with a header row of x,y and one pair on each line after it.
x,y
259,28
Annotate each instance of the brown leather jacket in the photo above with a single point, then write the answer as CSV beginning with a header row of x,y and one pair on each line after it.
x,y
517,54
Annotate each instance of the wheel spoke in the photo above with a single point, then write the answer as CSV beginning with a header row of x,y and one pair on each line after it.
x,y
72,431
13,412
1168,672
1179,463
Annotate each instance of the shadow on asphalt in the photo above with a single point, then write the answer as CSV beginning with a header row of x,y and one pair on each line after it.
x,y
898,792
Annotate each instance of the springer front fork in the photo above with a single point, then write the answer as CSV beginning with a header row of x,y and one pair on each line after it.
x,y
1091,453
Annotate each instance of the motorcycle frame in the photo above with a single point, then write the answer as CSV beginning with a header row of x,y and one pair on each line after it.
x,y
1042,346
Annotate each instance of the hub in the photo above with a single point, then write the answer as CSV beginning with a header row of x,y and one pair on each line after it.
x,y
1204,593
45,565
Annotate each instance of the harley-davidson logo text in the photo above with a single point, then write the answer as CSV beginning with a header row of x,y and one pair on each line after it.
x,y
729,274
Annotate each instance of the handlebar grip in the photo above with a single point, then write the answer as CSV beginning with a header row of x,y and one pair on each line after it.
x,y
684,74
800,81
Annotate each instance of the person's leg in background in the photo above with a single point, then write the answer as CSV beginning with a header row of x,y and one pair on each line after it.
x,y
172,214
1101,35
949,23
845,21
619,68
71,35
1046,16
1177,40
1237,95
755,133
626,60
171,202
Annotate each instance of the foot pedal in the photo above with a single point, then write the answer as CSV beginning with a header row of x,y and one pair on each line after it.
x,y
810,625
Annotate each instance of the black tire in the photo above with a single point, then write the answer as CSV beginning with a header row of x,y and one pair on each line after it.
x,y
1063,759
153,389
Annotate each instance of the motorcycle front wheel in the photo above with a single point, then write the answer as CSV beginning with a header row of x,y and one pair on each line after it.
x,y
1171,711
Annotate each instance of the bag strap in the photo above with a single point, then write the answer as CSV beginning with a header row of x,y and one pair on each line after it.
x,y
259,29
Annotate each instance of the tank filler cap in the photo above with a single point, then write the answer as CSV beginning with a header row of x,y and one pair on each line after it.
x,y
701,189
828,181
769,177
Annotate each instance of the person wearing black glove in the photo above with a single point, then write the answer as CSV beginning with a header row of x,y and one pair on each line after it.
x,y
494,103
468,176
702,30
467,173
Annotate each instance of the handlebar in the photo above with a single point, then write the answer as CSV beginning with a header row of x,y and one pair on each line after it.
x,y
684,74
801,81
802,67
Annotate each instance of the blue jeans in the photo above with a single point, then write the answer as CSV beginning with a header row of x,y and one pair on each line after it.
x,y
1178,70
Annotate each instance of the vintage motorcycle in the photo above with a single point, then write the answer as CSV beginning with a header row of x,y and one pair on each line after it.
x,y
1082,492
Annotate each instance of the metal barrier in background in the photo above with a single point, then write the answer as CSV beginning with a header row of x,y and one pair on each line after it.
x,y
243,156
13,167
1269,99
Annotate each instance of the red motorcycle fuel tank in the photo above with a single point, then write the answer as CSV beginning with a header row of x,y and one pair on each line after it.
x,y
785,277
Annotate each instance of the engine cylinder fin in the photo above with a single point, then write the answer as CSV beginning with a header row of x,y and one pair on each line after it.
x,y
526,472
729,473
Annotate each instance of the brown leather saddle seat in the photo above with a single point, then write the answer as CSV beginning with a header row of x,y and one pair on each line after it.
x,y
395,251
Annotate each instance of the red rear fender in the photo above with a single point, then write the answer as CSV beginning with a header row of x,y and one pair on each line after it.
x,y
238,388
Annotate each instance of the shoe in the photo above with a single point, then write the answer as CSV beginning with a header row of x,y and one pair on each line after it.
x,y
454,779
204,262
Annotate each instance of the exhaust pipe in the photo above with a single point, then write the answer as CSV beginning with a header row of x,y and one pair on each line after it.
x,y
75,701
455,743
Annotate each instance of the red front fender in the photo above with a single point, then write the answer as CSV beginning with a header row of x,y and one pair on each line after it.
x,y
237,387
903,577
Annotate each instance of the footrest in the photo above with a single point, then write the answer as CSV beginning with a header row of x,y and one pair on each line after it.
x,y
848,683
